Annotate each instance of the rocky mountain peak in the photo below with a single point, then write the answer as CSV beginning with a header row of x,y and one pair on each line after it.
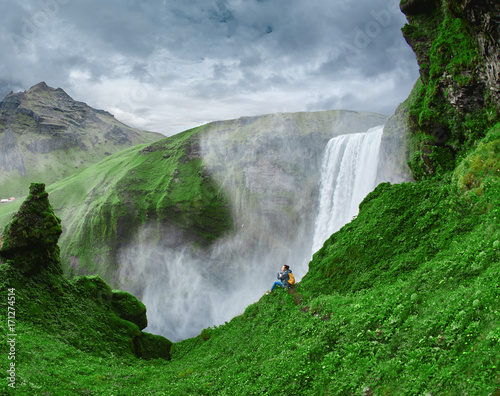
x,y
54,94
41,86
45,135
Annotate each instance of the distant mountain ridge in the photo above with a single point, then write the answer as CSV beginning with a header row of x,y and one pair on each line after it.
x,y
45,135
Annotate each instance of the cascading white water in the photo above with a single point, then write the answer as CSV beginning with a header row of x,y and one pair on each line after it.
x,y
348,174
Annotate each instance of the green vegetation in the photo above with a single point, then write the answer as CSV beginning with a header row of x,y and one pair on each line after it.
x,y
84,313
481,168
104,205
453,108
403,300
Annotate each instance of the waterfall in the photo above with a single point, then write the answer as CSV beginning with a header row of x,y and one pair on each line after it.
x,y
348,174
271,179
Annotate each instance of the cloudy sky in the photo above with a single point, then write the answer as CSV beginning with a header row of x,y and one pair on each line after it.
x,y
169,65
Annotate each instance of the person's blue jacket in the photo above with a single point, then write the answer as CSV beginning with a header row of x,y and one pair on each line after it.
x,y
283,277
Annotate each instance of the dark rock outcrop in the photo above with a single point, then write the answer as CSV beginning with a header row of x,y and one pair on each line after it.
x,y
416,7
483,19
118,135
29,242
457,44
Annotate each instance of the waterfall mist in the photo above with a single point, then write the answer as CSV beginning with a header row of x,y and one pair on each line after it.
x,y
270,168
348,174
186,289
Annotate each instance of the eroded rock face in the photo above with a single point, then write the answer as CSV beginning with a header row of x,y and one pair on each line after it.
x,y
484,19
29,242
10,153
457,44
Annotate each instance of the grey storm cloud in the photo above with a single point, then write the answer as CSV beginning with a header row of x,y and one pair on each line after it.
x,y
169,65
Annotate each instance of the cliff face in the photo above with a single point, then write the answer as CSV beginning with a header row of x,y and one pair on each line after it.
x,y
458,100
11,158
46,135
270,166
395,146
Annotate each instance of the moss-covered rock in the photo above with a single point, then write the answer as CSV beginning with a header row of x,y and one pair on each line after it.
x,y
458,100
154,347
128,307
93,287
29,242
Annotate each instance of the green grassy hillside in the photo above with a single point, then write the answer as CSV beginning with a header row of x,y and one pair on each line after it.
x,y
104,204
403,300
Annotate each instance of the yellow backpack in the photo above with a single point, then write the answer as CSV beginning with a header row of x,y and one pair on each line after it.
x,y
291,278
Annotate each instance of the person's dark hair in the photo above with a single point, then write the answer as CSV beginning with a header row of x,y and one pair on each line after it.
x,y
286,267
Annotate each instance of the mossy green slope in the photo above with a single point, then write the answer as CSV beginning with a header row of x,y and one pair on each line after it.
x,y
403,300
83,313
163,183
